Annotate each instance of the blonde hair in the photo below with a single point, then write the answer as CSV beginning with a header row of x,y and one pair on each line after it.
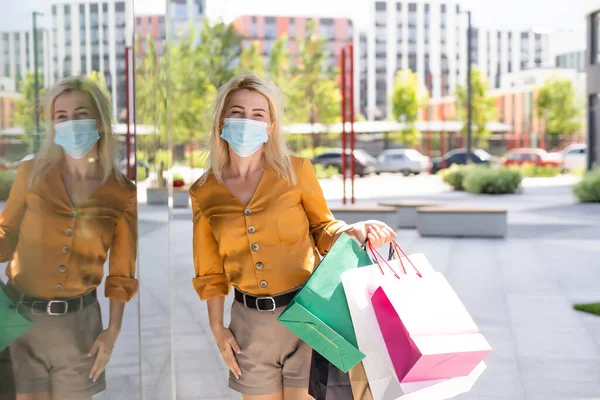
x,y
275,151
50,153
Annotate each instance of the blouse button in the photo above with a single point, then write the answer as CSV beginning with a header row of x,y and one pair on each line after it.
x,y
251,229
66,249
255,247
264,284
62,268
73,214
259,266
59,287
247,212
69,232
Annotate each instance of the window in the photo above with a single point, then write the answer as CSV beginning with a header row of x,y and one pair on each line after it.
x,y
253,31
380,6
292,28
270,28
94,15
180,10
198,11
67,16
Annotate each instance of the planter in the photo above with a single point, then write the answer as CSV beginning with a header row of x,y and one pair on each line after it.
x,y
181,197
157,196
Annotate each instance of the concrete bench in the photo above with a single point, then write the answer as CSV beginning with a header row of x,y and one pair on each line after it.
x,y
353,213
181,198
462,221
406,210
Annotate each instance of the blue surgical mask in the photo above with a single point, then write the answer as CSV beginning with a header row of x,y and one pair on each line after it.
x,y
76,137
245,136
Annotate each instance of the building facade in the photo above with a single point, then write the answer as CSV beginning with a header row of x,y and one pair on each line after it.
x,y
153,26
571,60
91,36
593,88
17,57
185,15
430,38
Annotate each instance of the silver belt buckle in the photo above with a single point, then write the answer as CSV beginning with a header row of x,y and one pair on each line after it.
x,y
265,298
49,307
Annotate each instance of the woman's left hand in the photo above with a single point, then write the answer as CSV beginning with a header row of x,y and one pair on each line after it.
x,y
102,347
377,232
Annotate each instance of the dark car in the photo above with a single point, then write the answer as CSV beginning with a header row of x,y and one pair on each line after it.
x,y
363,161
459,157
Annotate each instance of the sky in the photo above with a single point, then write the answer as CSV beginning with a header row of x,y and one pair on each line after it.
x,y
550,14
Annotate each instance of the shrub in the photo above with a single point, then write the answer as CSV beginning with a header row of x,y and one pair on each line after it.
x,y
6,180
532,170
325,173
454,176
141,173
483,180
588,190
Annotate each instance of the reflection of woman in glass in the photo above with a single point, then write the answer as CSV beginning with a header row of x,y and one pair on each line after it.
x,y
66,210
260,222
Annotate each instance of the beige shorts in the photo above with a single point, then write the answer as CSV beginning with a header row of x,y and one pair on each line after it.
x,y
272,356
52,355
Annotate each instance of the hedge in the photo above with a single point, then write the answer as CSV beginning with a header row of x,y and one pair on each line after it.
x,y
492,181
588,189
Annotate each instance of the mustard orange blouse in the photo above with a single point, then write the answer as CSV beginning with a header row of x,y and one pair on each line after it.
x,y
57,250
267,247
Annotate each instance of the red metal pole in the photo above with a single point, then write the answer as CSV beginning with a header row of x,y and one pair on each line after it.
x,y
352,134
128,133
343,88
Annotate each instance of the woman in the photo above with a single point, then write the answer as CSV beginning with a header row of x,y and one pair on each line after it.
x,y
66,210
260,222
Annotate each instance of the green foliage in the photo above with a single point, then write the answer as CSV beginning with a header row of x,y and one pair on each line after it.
x,y
483,107
315,95
6,180
531,170
591,308
24,115
557,102
588,189
220,46
252,60
310,154
485,180
455,175
407,99
98,78
141,174
325,173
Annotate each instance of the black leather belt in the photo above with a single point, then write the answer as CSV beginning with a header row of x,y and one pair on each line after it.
x,y
265,303
40,306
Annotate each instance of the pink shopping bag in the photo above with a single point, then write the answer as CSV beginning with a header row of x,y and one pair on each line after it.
x,y
427,330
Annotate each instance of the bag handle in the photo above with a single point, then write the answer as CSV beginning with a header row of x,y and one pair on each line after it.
x,y
396,249
367,246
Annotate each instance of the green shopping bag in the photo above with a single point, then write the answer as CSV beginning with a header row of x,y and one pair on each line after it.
x,y
12,324
319,313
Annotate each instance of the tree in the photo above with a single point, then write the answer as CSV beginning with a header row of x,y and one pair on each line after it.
x,y
25,108
101,82
557,102
251,60
219,51
192,93
407,99
315,95
483,107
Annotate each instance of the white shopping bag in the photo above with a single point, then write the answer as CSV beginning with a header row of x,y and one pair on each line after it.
x,y
359,284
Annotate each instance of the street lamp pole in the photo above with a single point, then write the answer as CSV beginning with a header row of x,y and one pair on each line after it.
x,y
36,82
469,89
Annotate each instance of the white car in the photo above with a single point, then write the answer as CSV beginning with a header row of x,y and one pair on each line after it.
x,y
574,157
406,161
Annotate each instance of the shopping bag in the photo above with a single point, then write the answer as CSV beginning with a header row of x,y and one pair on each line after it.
x,y
327,382
319,313
427,331
12,324
359,284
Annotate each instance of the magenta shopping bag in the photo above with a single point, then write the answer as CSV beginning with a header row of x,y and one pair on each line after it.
x,y
427,330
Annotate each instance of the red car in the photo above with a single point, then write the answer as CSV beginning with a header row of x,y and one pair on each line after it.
x,y
533,156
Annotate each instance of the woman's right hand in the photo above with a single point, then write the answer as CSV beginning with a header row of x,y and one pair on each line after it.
x,y
228,347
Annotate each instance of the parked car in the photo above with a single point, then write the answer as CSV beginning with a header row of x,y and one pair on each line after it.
x,y
532,156
15,164
459,157
364,162
407,161
574,156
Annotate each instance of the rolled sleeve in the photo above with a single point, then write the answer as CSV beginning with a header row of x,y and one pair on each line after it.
x,y
210,281
323,226
121,283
